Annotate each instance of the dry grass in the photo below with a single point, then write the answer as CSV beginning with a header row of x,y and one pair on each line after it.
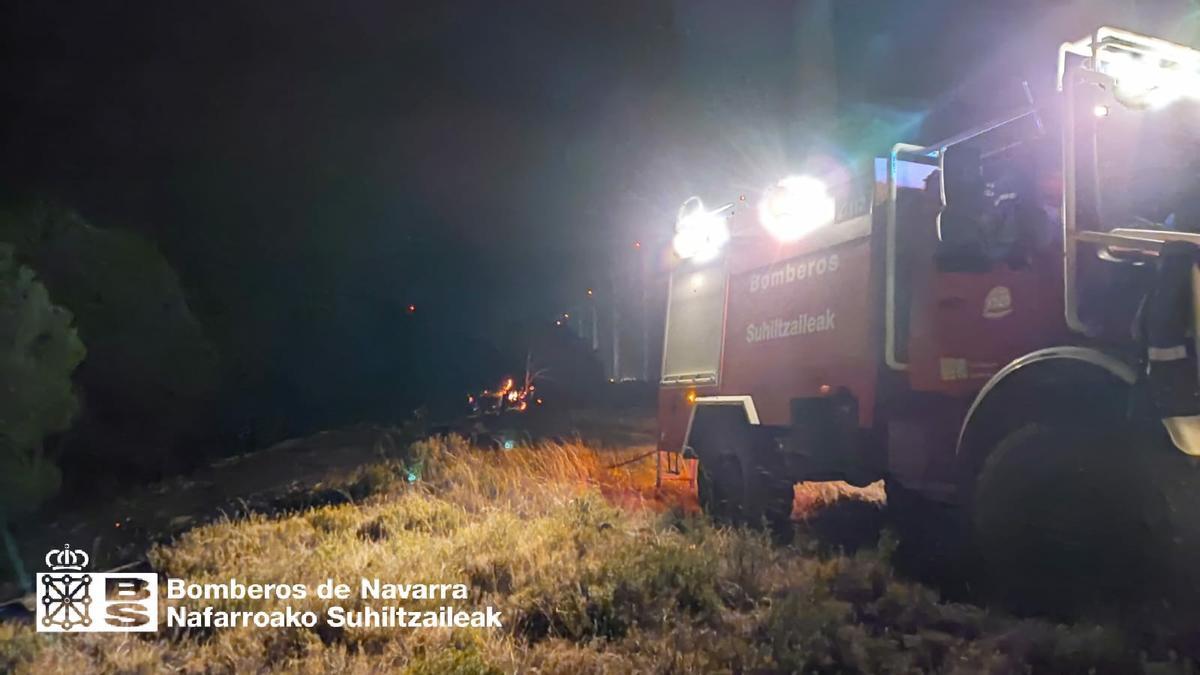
x,y
813,496
586,585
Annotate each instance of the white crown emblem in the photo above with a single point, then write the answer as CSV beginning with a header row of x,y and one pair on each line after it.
x,y
67,559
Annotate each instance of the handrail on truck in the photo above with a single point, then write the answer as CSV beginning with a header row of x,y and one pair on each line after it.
x,y
1104,43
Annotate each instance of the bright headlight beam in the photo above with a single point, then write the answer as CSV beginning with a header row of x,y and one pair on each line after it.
x,y
699,234
795,206
1142,82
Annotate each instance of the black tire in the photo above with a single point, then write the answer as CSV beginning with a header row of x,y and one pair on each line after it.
x,y
747,488
933,540
770,493
720,487
1062,518
742,478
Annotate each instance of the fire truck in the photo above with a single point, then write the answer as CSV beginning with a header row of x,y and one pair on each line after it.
x,y
999,325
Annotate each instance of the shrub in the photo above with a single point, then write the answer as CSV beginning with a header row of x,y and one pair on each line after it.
x,y
38,352
803,631
334,519
461,656
17,648
151,372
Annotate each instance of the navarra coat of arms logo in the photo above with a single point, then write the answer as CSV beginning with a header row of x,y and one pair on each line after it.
x,y
66,599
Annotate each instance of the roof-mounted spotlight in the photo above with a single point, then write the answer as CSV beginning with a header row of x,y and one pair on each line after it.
x,y
700,234
795,206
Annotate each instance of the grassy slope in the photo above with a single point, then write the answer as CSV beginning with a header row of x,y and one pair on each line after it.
x,y
585,586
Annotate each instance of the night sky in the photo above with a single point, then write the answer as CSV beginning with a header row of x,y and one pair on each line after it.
x,y
312,168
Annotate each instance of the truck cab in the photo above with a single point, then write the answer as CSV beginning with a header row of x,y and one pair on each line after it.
x,y
1006,307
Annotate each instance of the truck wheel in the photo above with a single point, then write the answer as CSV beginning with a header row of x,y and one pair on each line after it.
x,y
934,541
739,490
769,494
1060,517
720,487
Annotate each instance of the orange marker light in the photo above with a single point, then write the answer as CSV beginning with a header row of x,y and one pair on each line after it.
x,y
691,396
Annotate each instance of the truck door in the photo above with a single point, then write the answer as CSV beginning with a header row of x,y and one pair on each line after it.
x,y
692,346
695,323
989,290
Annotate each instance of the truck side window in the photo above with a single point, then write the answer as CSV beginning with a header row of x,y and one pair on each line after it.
x,y
1021,228
992,219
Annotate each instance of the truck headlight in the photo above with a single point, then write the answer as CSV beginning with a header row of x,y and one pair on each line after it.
x,y
795,206
699,233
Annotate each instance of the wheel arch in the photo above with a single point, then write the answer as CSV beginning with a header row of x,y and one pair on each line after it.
x,y
711,411
1047,385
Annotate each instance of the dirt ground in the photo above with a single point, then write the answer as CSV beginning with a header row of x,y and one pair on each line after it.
x,y
119,531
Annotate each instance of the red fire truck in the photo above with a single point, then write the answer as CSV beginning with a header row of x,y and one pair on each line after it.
x,y
1000,322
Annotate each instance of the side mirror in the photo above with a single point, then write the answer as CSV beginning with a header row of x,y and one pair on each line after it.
x,y
962,228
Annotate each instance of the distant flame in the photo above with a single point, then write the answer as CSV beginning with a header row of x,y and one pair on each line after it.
x,y
508,398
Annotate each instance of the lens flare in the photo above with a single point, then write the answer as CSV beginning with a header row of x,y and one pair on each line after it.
x,y
795,206
699,234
